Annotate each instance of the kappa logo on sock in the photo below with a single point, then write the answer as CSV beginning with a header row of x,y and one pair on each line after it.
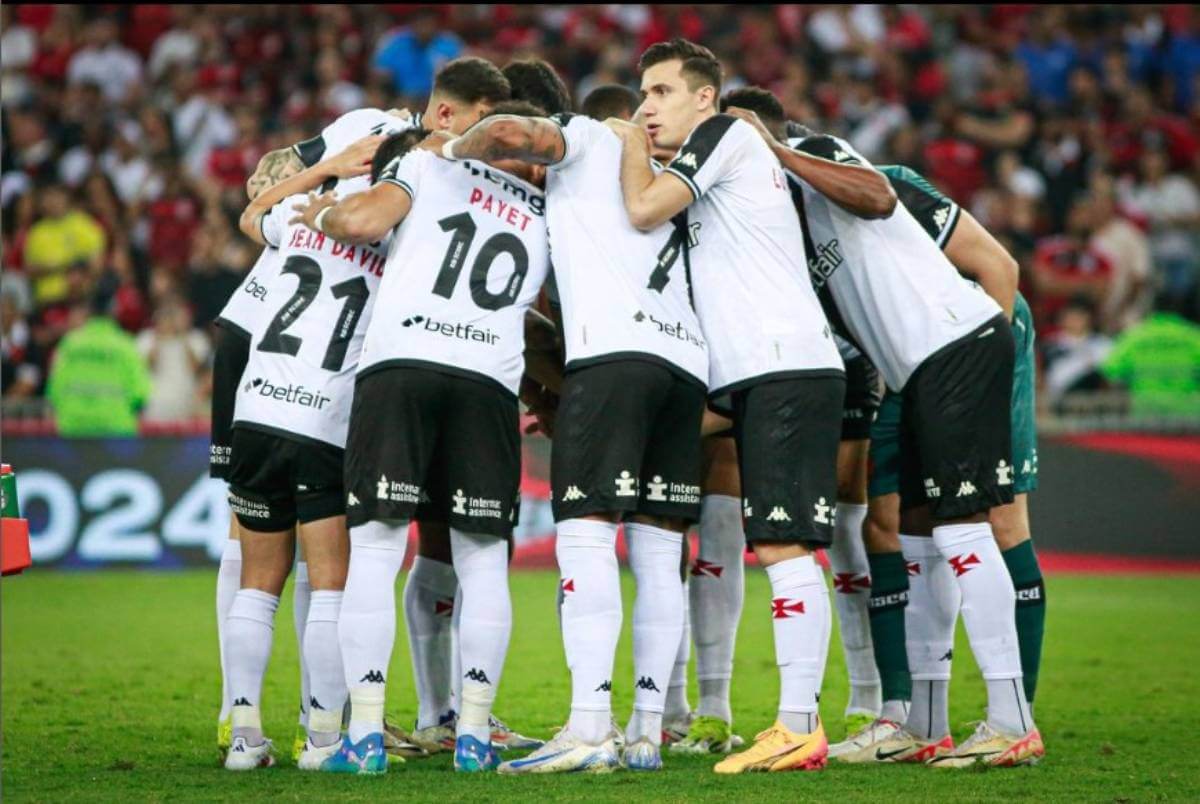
x,y
373,677
647,683
947,656
242,702
573,493
702,567
443,607
778,514
782,608
476,675
964,564
626,485
568,585
821,517
313,703
912,567
966,489
604,687
848,583
1004,473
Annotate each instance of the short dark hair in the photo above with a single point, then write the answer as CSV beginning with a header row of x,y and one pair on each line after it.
x,y
760,101
395,145
700,66
518,108
472,80
610,100
534,80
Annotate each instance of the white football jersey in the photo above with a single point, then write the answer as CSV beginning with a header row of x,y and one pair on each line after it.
x,y
464,266
250,304
755,303
623,292
299,379
885,281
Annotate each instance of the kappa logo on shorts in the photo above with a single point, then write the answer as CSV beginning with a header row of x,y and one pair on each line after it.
x,y
931,488
821,516
351,499
626,485
1004,473
657,487
966,489
573,493
778,514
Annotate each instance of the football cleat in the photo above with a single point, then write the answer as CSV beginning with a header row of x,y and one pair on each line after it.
x,y
641,755
224,736
505,739
859,745
855,723
677,730
707,735
901,746
472,756
435,739
366,757
989,747
299,741
399,745
779,749
244,757
312,757
567,754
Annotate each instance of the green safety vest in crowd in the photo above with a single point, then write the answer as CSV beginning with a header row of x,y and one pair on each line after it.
x,y
1159,360
98,381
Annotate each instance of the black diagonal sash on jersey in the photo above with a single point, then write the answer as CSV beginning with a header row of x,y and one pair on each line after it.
x,y
699,147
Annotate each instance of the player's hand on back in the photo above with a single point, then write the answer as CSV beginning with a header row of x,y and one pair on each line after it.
x,y
751,117
356,159
308,209
628,131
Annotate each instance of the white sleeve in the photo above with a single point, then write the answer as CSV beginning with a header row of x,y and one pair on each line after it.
x,y
275,222
711,152
405,171
339,134
578,132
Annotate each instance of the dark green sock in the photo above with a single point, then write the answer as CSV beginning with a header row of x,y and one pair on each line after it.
x,y
1031,609
889,596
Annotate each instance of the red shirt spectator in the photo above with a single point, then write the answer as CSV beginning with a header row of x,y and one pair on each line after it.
x,y
1065,267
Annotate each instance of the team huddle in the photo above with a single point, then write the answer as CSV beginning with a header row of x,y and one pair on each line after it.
x,y
719,317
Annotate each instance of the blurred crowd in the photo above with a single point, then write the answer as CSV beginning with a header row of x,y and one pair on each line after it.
x,y
1072,133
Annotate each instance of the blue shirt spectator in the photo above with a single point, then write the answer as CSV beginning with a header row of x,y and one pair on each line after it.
x,y
1048,66
1182,63
412,55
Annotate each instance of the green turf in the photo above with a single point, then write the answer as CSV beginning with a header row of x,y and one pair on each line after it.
x,y
110,691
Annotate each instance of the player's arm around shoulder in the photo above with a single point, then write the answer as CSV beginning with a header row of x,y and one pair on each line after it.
x,y
537,140
650,200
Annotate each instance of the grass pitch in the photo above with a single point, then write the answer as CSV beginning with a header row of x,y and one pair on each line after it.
x,y
111,689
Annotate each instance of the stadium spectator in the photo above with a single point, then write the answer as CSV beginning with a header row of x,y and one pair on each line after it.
x,y
409,57
1157,360
1066,265
105,62
1131,286
62,237
20,374
97,381
176,355
1073,355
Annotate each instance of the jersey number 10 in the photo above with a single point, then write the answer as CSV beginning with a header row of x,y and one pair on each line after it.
x,y
463,230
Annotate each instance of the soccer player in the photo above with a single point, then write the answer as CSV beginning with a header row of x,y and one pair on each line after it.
x,y
948,348
431,589
434,427
773,360
625,445
974,252
289,431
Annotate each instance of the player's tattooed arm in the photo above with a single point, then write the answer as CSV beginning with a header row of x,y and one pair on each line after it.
x,y
355,160
504,136
650,201
979,256
274,167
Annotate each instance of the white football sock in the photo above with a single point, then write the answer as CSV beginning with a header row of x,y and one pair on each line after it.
x,y
323,660
428,607
677,706
229,579
250,628
591,620
481,562
801,619
989,606
301,595
657,622
456,670
717,586
929,618
851,592
367,626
